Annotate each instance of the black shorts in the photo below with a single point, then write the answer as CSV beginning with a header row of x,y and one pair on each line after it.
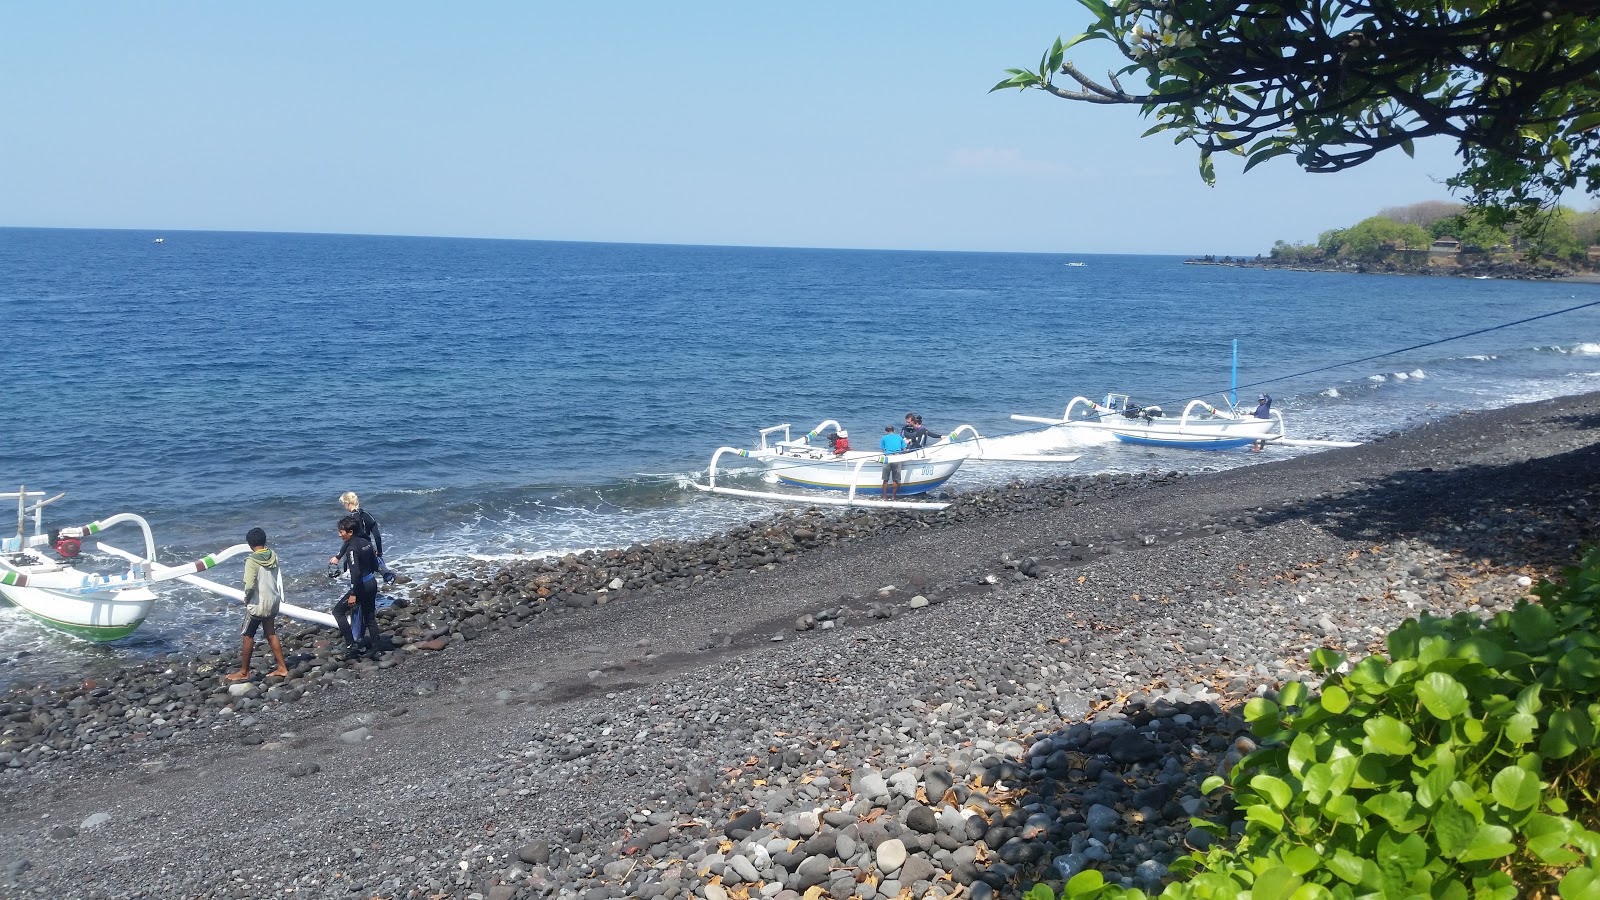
x,y
265,623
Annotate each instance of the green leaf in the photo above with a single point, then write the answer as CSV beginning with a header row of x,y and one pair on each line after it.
x,y
1442,696
1398,859
1528,700
1398,809
1581,884
1516,788
1325,660
1212,783
1260,709
1490,842
1533,624
1334,698
1019,81
1520,728
1453,829
1274,789
1552,850
1346,865
1316,782
1084,884
1041,892
1302,859
1560,739
1276,883
1293,694
1259,157
1341,808
1388,735
1266,817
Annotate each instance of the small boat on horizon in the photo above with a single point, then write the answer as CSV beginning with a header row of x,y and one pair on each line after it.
x,y
1077,265
159,240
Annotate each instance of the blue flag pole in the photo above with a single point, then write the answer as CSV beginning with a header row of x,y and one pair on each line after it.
x,y
1233,389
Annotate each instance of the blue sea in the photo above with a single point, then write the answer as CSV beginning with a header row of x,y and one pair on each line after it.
x,y
491,399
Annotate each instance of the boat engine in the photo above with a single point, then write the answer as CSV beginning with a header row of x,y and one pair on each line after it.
x,y
67,543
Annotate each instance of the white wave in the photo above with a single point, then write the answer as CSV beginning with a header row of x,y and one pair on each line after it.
x,y
1045,440
1587,347
1482,357
418,491
1332,392
1377,378
1401,376
1418,373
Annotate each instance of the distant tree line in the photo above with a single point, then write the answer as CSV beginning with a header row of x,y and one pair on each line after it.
x,y
1564,238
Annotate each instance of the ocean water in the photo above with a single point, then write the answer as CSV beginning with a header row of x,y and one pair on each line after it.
x,y
495,398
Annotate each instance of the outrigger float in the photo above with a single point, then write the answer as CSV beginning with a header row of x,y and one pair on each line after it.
x,y
98,607
1201,427
858,474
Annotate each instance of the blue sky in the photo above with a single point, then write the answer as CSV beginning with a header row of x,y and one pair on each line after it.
x,y
825,124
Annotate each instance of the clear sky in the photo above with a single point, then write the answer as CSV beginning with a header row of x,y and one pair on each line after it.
x,y
822,124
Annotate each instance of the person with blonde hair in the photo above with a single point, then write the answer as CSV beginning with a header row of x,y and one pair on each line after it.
x,y
367,527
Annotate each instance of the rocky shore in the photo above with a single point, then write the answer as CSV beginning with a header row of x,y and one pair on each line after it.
x,y
1030,683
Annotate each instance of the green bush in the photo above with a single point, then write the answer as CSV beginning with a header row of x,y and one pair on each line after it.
x,y
1465,765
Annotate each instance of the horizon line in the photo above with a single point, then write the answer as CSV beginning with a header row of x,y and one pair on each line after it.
x,y
156,232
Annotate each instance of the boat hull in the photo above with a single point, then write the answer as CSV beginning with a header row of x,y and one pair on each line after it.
x,y
98,616
1193,436
91,617
918,475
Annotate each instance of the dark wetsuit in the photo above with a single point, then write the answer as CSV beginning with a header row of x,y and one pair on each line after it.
x,y
367,527
357,558
917,436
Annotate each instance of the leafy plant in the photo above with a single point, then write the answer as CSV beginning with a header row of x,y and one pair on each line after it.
x,y
1465,765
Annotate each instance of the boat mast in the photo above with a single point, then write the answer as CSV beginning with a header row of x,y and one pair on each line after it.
x,y
1233,386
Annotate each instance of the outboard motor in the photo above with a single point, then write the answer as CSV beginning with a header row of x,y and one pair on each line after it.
x,y
1151,412
66,543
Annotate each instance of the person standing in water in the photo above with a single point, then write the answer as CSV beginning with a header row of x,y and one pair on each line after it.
x,y
263,592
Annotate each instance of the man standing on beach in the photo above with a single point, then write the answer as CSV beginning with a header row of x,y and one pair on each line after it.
x,y
891,443
263,591
356,557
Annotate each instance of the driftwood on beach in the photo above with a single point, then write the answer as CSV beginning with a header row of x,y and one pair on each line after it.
x,y
1031,682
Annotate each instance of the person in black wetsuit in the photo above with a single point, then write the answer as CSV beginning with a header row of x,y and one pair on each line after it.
x,y
367,527
357,557
917,436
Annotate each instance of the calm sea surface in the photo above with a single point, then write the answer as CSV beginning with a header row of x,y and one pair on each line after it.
x,y
488,398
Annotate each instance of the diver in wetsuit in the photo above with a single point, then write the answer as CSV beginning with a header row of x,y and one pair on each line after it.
x,y
357,557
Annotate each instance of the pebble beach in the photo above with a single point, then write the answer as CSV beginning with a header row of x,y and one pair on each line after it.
x,y
822,704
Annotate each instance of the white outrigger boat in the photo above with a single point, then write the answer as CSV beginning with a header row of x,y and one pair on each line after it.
x,y
1201,427
858,474
90,606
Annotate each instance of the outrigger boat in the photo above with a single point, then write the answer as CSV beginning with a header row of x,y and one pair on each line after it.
x,y
90,606
858,474
1201,427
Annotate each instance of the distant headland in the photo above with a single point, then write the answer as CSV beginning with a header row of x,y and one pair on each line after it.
x,y
1447,239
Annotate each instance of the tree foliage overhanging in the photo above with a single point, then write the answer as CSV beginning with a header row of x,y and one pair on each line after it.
x,y
1515,83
